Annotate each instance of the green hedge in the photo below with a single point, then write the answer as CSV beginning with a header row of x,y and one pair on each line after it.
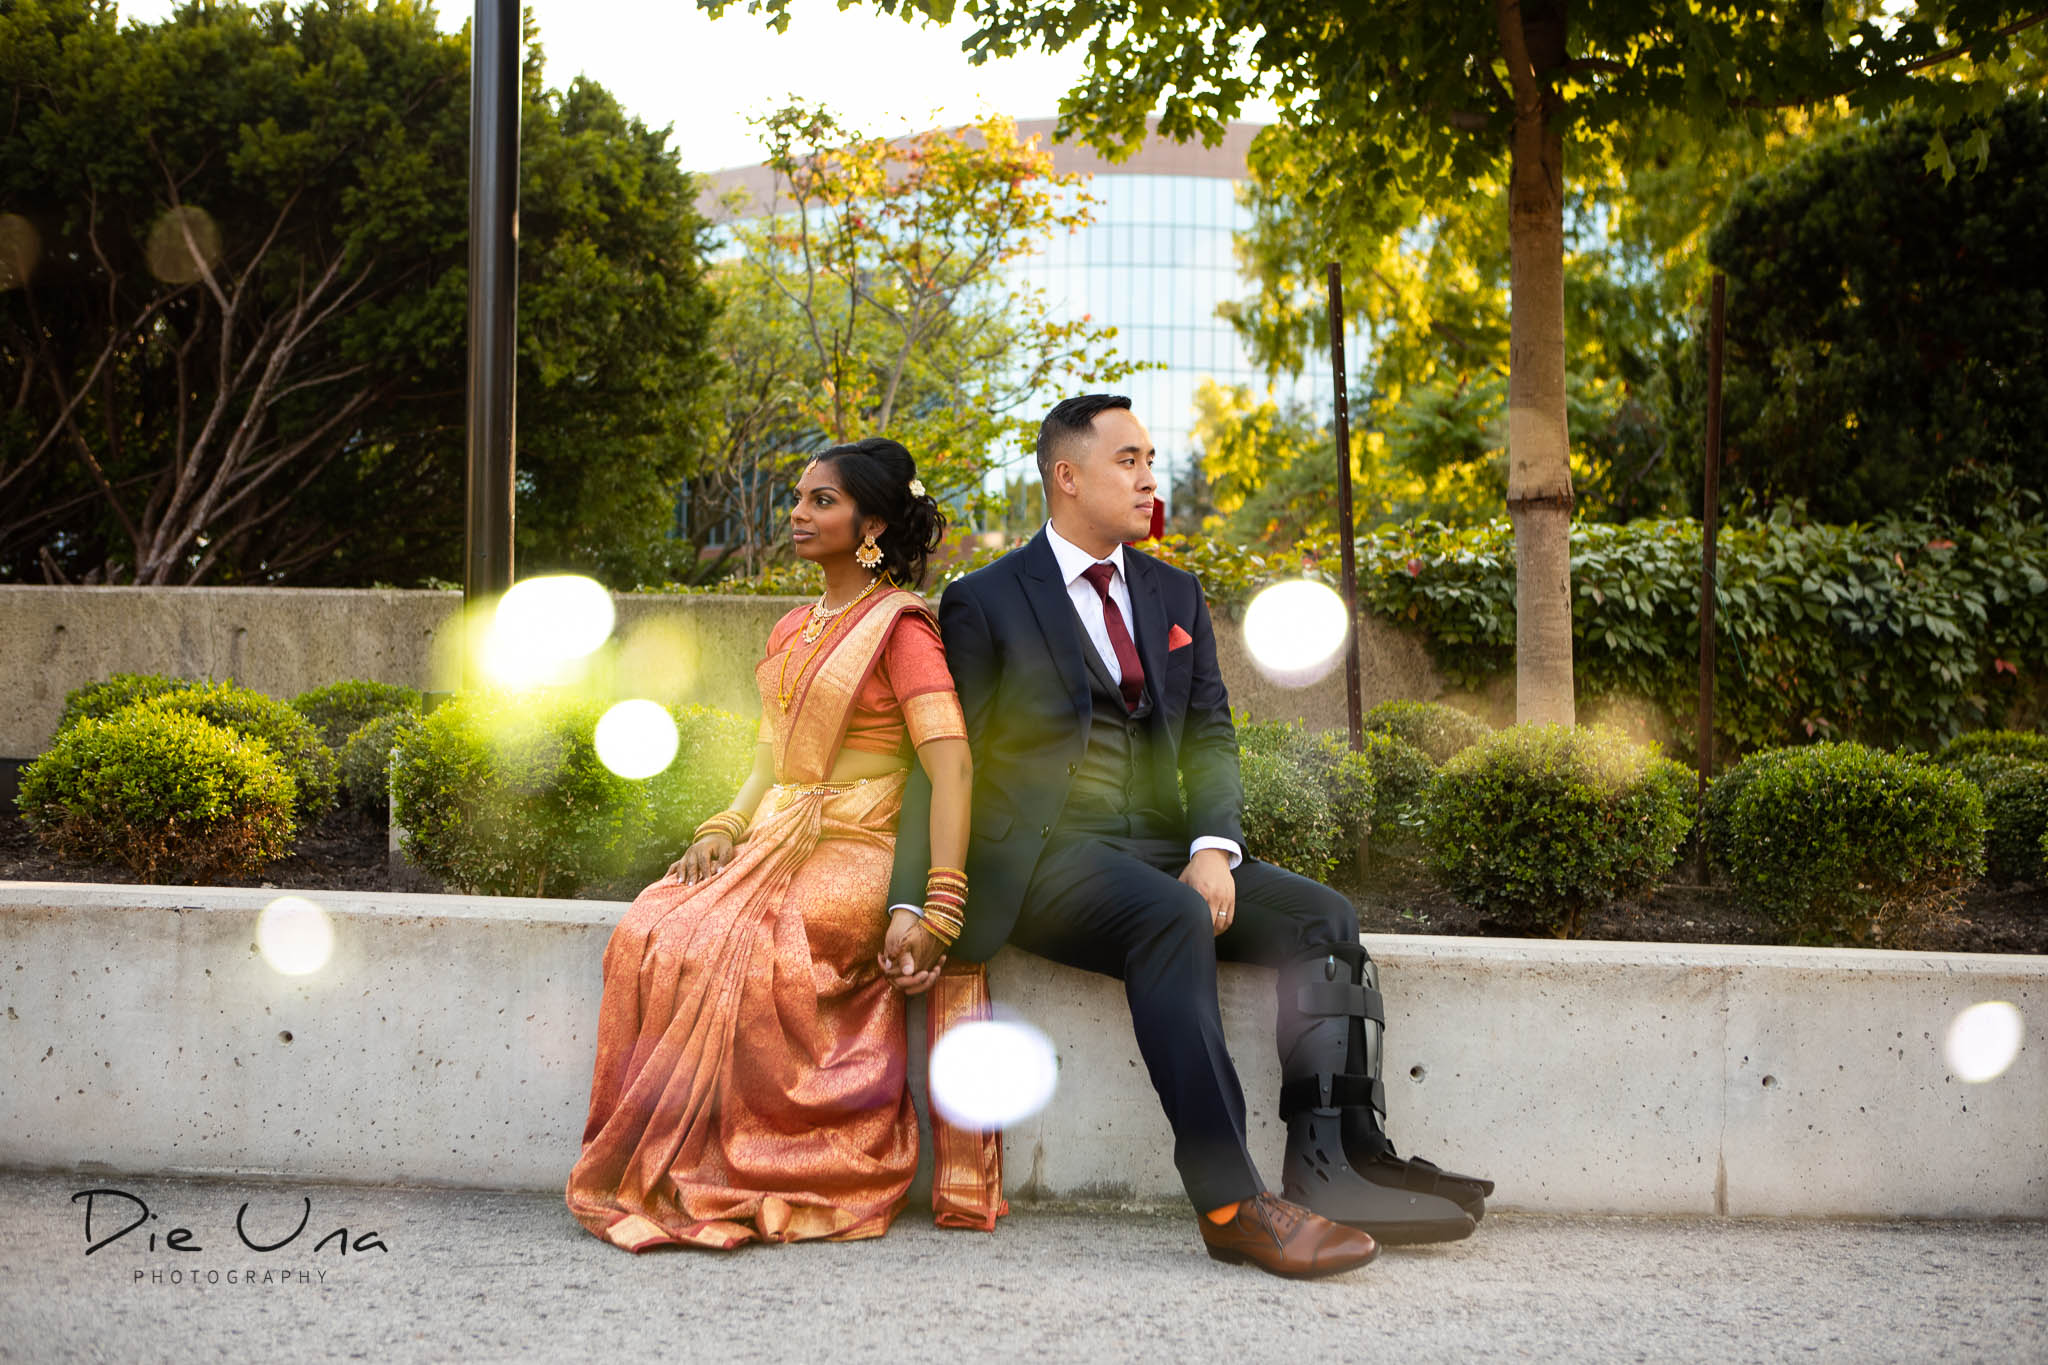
x,y
340,709
1440,731
365,765
1308,800
170,795
98,700
1843,843
290,735
1906,631
2016,815
1538,824
508,797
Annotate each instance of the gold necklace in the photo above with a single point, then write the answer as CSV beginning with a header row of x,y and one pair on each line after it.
x,y
783,691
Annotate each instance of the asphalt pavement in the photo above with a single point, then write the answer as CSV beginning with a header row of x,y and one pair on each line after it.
x,y
434,1275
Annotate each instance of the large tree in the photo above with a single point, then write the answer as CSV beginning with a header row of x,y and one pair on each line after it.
x,y
232,336
1405,105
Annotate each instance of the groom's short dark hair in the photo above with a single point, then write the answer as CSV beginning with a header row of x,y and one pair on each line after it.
x,y
1071,417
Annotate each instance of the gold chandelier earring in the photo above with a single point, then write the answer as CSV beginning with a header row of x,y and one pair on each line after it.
x,y
869,554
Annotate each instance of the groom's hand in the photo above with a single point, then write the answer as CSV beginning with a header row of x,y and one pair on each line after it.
x,y
1209,873
911,955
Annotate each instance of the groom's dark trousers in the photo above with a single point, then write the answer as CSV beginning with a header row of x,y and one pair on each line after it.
x,y
1080,831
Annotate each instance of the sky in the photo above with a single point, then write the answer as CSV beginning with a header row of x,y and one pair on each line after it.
x,y
670,64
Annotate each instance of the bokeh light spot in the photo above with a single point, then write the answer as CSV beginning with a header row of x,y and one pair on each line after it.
x,y
992,1073
1294,631
183,244
1983,1041
636,738
544,627
21,246
295,936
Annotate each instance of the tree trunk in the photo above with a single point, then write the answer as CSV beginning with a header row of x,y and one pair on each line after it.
x,y
1539,447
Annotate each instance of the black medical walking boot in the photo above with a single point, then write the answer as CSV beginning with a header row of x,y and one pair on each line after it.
x,y
1339,1162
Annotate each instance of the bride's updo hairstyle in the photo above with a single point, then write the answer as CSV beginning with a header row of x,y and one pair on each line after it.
x,y
876,474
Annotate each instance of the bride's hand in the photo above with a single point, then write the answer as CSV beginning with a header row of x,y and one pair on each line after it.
x,y
701,859
911,957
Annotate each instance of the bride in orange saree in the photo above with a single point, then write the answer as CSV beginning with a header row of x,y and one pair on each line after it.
x,y
751,1072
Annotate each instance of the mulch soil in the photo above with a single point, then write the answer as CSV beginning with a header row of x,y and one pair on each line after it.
x,y
346,852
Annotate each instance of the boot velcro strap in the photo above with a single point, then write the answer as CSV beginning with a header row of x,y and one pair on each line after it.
x,y
1329,999
1327,1090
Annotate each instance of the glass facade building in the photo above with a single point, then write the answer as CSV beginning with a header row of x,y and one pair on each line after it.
x,y
1154,263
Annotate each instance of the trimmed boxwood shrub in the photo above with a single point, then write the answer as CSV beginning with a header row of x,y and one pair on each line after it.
x,y
170,795
1441,731
338,710
365,763
2001,743
1537,824
1401,775
103,698
2016,812
290,735
1308,800
508,797
1842,843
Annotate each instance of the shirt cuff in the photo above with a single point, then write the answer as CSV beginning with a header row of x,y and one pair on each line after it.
x,y
1227,845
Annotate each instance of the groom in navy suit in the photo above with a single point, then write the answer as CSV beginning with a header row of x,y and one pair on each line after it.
x,y
1087,672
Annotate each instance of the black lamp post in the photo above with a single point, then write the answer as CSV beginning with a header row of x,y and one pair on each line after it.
x,y
493,294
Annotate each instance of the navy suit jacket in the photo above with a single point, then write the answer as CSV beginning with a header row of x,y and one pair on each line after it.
x,y
1014,645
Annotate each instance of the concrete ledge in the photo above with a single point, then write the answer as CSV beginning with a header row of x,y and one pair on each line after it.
x,y
449,1041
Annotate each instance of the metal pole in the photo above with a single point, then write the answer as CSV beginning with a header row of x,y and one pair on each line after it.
x,y
493,293
1353,684
1709,525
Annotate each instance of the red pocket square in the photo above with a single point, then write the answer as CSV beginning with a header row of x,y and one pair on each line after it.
x,y
1178,639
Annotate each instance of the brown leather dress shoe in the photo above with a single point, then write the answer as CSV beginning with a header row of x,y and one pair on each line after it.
x,y
1286,1239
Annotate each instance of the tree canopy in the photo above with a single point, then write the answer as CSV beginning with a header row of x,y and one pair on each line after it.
x,y
1885,324
1393,109
232,319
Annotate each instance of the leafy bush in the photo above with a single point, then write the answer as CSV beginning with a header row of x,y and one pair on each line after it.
x,y
1289,818
2022,744
290,735
103,698
365,763
1400,777
1440,731
714,755
1538,824
1844,843
509,798
340,709
170,795
2016,812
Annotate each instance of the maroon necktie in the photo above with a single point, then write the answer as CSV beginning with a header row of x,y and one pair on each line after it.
x,y
1119,636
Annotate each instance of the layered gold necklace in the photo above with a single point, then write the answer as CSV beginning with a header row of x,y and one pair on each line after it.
x,y
820,625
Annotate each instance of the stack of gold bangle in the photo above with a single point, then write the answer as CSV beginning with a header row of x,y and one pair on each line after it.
x,y
945,903
730,823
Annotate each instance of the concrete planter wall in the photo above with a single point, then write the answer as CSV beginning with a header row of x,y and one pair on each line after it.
x,y
674,649
449,1041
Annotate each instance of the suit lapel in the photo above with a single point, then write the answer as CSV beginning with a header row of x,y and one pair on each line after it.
x,y
1047,595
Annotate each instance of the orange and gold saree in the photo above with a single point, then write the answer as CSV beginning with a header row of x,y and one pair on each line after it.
x,y
751,1074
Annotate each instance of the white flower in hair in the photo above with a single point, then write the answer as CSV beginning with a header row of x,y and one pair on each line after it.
x,y
917,488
